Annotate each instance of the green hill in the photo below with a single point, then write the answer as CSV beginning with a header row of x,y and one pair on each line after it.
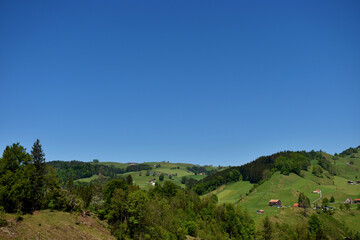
x,y
287,189
171,171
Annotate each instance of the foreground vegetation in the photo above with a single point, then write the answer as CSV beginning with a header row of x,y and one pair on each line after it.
x,y
61,200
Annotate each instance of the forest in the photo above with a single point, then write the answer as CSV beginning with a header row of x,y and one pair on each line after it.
x,y
77,169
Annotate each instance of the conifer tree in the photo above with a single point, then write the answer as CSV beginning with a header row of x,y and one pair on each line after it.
x,y
303,201
129,179
38,158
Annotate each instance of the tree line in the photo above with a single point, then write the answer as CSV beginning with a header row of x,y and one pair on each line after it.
x,y
78,169
199,169
349,151
261,169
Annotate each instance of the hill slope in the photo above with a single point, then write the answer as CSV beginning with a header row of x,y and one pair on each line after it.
x,y
54,225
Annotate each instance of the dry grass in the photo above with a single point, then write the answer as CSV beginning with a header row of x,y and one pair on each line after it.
x,y
54,225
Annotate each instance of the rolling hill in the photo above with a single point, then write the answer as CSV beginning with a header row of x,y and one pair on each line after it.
x,y
287,189
281,176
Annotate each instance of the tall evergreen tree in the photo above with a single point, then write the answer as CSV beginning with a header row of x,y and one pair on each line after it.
x,y
303,201
38,158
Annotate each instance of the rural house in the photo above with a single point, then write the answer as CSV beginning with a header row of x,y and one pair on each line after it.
x,y
348,200
152,182
296,205
275,202
260,211
317,191
357,200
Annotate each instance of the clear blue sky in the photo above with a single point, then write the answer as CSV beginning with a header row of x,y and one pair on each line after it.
x,y
208,82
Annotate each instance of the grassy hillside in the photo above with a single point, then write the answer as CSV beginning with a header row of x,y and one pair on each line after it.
x,y
345,168
287,189
233,192
176,170
89,179
54,225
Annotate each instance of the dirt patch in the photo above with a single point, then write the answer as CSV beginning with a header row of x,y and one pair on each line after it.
x,y
86,220
36,212
8,232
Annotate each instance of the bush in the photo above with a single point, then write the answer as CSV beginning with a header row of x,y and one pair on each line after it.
x,y
3,221
191,227
161,177
51,205
19,216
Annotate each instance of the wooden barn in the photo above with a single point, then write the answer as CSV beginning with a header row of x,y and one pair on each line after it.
x,y
275,202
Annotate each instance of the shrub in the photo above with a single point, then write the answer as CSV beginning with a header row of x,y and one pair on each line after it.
x,y
19,216
3,221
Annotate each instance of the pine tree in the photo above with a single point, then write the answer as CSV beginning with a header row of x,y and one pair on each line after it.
x,y
70,184
38,158
303,201
129,179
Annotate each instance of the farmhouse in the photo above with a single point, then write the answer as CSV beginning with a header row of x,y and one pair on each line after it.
x,y
358,181
275,202
350,182
260,211
357,200
348,200
152,182
317,191
296,205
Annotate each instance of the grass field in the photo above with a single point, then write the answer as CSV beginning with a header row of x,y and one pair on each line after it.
x,y
346,170
89,179
232,193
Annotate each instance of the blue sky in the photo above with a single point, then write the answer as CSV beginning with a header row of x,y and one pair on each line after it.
x,y
207,82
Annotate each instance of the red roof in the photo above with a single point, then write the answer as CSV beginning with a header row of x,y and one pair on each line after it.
x,y
296,205
261,210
